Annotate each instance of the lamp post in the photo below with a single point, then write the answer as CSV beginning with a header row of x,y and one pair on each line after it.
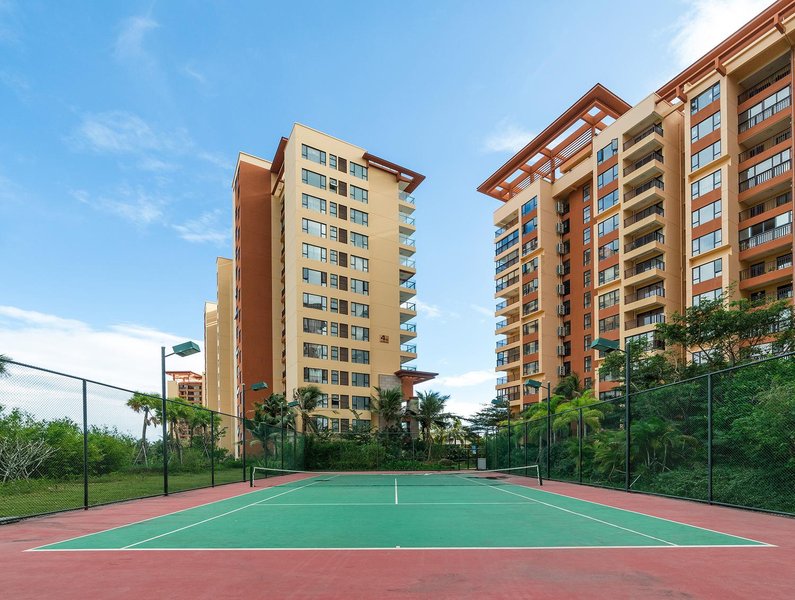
x,y
255,387
183,349
605,345
496,402
532,383
292,404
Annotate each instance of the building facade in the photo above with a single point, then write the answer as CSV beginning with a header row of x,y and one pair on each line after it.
x,y
185,385
615,216
323,276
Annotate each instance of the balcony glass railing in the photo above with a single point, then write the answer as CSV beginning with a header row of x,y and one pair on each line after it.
x,y
507,283
409,283
505,322
766,236
765,114
643,134
643,294
760,209
501,305
406,197
407,241
654,183
502,380
408,262
409,306
651,156
412,327
767,175
764,84
645,320
648,265
780,264
407,219
765,145
657,209
505,228
654,236
409,348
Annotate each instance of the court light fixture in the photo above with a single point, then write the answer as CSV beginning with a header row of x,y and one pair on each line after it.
x,y
605,345
260,385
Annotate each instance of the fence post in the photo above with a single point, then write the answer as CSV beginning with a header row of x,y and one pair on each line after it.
x,y
85,445
549,427
627,412
242,424
282,450
526,456
579,443
709,437
212,449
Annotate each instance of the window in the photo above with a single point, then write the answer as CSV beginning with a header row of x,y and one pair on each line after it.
x,y
314,301
586,214
586,192
360,380
313,203
608,323
706,213
586,321
607,176
609,299
359,240
608,225
312,178
530,328
360,310
315,326
706,242
315,350
332,161
313,154
360,287
358,171
361,357
587,364
314,277
609,249
708,270
506,242
360,264
605,202
359,217
704,98
586,278
360,334
530,226
313,252
315,375
705,156
313,228
358,193
707,296
586,300
586,257
705,127
586,235
530,205
609,274
606,152
705,184
360,403
360,424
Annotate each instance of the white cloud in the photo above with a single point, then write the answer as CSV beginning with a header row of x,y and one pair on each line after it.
x,y
487,312
129,43
10,26
468,379
464,401
132,204
708,22
507,137
121,132
429,311
204,228
195,74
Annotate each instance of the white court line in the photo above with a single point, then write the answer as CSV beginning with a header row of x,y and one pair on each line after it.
x,y
311,504
396,495
77,537
215,517
573,512
392,548
739,537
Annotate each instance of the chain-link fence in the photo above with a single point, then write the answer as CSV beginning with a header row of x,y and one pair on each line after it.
x,y
68,442
727,437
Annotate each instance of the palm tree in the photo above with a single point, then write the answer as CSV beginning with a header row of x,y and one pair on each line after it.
x,y
143,403
431,412
567,413
388,405
568,387
3,369
270,416
307,397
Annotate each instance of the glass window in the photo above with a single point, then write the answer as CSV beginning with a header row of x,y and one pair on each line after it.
x,y
312,178
530,226
314,277
708,271
609,274
314,301
313,228
609,299
359,240
313,252
606,152
358,193
315,350
360,264
315,376
359,171
315,326
706,242
606,177
359,217
586,214
705,98
360,357
705,127
313,203
608,225
360,402
360,310
586,235
360,287
360,379
705,184
609,249
705,156
706,213
313,154
361,334
530,205
711,295
605,202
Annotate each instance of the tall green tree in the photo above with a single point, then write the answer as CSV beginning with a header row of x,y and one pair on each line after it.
x,y
567,414
3,366
307,397
490,415
269,418
144,403
431,412
388,405
649,369
568,387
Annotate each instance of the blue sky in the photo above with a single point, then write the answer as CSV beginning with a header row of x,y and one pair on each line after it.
x,y
121,123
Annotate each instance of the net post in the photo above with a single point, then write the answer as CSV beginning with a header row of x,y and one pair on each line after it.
x,y
538,472
709,437
526,457
85,445
251,477
579,443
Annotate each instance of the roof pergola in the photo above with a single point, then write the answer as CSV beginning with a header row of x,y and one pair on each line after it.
x,y
563,139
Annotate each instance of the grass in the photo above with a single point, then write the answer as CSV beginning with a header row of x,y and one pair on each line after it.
x,y
37,496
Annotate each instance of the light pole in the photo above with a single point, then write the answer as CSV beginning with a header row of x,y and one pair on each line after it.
x,y
607,346
183,349
255,387
496,402
532,383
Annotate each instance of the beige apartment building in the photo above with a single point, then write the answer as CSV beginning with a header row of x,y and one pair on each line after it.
x,y
322,280
615,216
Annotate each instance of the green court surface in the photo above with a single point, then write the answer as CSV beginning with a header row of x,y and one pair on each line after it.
x,y
388,511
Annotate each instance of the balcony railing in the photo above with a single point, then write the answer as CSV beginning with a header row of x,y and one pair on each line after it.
x,y
505,228
764,84
502,380
656,209
765,114
647,320
762,208
409,327
407,219
530,246
409,283
654,236
408,368
643,294
506,360
646,266
410,348
754,181
505,322
765,145
643,134
654,155
501,305
406,197
408,262
408,306
656,182
407,241
766,236
504,265
768,267
507,283
510,340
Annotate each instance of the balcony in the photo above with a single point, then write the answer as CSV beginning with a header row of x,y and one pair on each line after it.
x,y
506,284
405,197
408,289
645,272
648,139
644,220
513,223
764,84
502,264
514,339
760,209
765,145
502,380
764,115
503,323
408,310
408,348
651,243
407,263
764,176
407,225
768,273
644,321
645,194
644,299
504,361
650,165
759,240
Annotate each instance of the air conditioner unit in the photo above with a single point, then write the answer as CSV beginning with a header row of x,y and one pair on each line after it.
x,y
561,309
561,270
561,331
560,228
561,350
561,289
562,371
560,208
561,248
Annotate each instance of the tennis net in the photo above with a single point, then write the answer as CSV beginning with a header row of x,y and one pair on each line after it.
x,y
290,478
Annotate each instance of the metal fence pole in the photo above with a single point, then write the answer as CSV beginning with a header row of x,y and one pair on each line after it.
x,y
549,426
164,420
526,456
212,449
85,445
627,412
580,435
709,438
242,424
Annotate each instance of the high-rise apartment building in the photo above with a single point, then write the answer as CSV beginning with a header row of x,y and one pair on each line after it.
x,y
323,276
219,368
615,216
185,385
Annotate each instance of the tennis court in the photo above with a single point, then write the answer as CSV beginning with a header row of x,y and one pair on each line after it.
x,y
380,511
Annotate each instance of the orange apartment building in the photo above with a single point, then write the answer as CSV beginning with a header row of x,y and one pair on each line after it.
x,y
322,278
615,216
185,385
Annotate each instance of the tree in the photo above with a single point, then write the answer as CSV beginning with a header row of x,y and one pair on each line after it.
x,y
431,412
568,387
270,417
3,367
567,414
144,403
491,415
307,397
649,369
388,405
